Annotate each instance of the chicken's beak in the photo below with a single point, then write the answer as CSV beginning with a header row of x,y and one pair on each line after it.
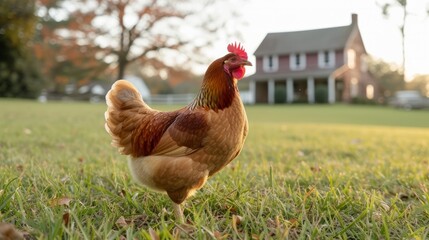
x,y
245,62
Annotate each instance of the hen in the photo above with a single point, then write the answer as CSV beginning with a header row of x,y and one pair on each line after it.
x,y
175,152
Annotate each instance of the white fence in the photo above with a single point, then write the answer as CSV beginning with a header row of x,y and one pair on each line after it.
x,y
170,98
247,97
167,99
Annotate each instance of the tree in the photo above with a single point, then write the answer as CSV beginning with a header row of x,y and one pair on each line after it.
x,y
420,83
63,59
120,32
388,11
19,76
388,76
402,4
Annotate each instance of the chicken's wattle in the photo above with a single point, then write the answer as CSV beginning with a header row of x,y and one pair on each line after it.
x,y
239,73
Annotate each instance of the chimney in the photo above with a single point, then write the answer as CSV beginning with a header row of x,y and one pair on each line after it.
x,y
354,19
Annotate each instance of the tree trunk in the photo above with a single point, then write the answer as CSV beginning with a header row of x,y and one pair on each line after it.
x,y
122,65
404,18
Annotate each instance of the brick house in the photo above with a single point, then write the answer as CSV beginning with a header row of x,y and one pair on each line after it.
x,y
321,65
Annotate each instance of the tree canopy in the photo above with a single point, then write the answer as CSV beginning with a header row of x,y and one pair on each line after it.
x,y
88,39
18,71
389,77
420,83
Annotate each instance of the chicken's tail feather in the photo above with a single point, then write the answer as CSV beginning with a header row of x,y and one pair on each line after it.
x,y
125,107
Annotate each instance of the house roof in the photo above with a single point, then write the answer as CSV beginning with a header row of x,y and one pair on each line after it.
x,y
304,41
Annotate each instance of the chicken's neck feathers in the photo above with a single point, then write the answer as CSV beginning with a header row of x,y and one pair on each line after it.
x,y
216,94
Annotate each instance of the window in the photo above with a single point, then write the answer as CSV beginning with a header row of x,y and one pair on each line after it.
x,y
326,59
270,63
370,91
351,58
297,61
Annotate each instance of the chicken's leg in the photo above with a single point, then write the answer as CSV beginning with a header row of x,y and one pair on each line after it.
x,y
178,213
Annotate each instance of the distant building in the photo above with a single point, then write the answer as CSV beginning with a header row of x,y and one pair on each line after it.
x,y
321,65
140,85
93,92
96,91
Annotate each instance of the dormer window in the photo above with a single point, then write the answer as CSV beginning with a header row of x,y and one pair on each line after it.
x,y
270,63
297,61
326,59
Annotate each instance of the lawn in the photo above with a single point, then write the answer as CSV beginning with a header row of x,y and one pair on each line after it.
x,y
306,172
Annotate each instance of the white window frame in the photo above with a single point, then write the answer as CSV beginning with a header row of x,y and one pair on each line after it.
x,y
302,61
331,59
370,91
275,63
351,58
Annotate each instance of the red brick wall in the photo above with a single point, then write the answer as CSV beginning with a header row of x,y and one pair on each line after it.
x,y
259,66
283,63
339,58
312,61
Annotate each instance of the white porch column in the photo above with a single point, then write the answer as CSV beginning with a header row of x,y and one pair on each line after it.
x,y
289,90
331,89
271,86
252,91
310,89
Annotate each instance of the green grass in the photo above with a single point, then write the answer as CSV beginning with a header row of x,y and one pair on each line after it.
x,y
306,172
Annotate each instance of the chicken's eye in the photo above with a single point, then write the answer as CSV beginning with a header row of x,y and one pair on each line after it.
x,y
233,59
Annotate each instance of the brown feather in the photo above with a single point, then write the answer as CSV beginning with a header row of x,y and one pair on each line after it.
x,y
135,128
148,133
218,89
189,129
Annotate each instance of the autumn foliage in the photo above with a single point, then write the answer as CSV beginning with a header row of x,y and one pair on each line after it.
x,y
85,40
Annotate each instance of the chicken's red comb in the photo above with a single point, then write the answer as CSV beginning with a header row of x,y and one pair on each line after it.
x,y
237,49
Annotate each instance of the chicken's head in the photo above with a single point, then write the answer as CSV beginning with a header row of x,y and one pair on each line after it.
x,y
235,61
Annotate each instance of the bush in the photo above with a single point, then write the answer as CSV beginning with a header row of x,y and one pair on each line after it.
x,y
19,76
321,94
363,101
19,71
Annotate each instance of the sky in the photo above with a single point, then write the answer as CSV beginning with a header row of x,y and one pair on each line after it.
x,y
381,35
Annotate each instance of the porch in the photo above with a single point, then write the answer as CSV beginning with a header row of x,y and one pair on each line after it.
x,y
292,90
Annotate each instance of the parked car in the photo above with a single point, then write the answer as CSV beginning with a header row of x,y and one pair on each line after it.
x,y
409,100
